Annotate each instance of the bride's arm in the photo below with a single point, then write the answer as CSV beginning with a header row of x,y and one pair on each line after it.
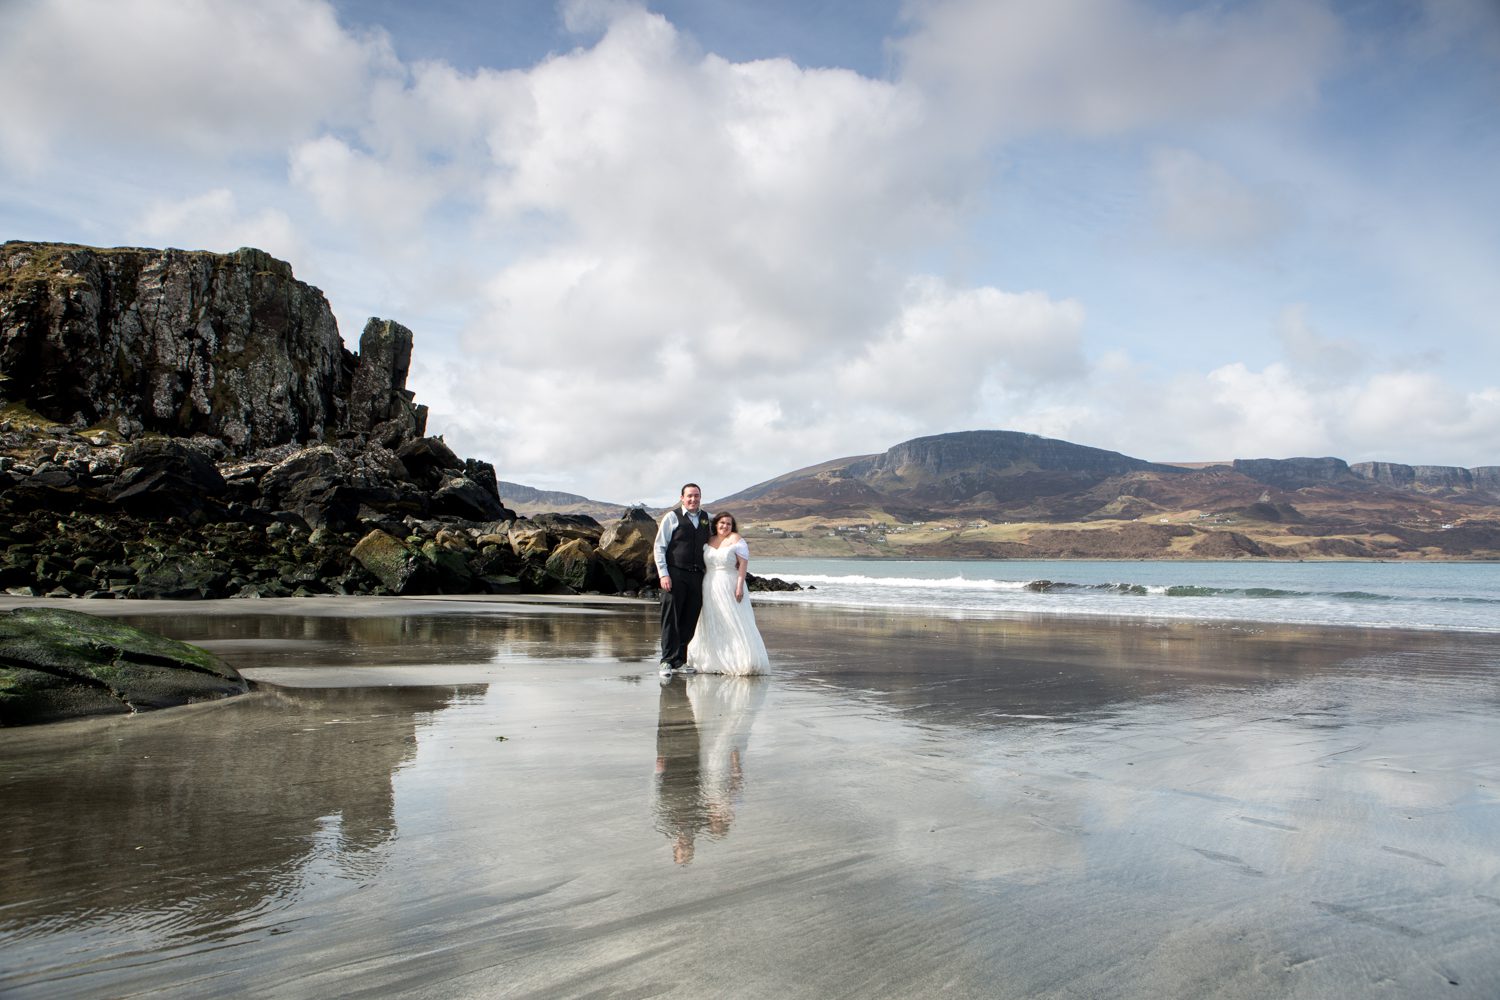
x,y
742,564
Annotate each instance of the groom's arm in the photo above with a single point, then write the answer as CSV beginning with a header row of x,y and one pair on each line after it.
x,y
663,536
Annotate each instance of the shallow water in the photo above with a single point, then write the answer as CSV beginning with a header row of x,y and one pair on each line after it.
x,y
1423,595
493,801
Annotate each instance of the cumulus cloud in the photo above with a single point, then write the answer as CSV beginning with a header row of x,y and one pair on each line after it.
x,y
946,345
1277,411
214,221
1105,66
636,262
211,77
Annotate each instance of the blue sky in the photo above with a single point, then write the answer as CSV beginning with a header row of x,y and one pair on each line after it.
x,y
640,243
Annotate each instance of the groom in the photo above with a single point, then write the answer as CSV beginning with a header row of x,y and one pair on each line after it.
x,y
679,562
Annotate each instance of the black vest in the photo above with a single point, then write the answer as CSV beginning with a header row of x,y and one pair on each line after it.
x,y
685,548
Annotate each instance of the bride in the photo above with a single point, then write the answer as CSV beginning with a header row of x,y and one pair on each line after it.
x,y
727,641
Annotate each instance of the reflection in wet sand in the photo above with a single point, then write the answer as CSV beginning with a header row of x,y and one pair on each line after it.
x,y
275,640
977,672
187,822
999,808
702,738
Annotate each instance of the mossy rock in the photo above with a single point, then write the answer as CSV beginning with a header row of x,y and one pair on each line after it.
x,y
58,664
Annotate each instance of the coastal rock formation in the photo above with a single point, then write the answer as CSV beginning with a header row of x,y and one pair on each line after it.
x,y
171,341
58,664
183,424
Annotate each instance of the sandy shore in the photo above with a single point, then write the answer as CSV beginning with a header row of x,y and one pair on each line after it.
x,y
486,799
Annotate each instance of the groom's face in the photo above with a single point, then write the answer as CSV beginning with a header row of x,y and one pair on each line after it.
x,y
691,498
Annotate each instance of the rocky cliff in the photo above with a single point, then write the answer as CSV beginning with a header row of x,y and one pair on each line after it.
x,y
184,343
189,424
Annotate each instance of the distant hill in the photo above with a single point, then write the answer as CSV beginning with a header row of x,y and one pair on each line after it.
x,y
528,500
1006,494
963,473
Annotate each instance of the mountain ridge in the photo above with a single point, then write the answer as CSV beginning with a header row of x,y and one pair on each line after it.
x,y
1001,494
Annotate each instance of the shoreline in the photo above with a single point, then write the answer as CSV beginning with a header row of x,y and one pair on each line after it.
x,y
367,606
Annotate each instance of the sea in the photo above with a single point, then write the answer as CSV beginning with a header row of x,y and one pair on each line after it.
x,y
1449,596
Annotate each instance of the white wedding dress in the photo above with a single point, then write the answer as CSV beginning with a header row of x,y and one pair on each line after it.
x,y
727,641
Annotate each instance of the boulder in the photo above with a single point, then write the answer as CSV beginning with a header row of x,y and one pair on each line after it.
x,y
569,525
167,478
629,542
399,568
528,540
460,496
316,468
192,577
450,572
65,664
570,563
428,460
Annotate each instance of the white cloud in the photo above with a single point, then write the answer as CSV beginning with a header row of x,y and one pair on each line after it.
x,y
946,345
213,221
363,193
209,77
1235,411
634,262
1105,66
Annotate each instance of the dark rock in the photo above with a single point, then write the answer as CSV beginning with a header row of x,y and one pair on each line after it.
x,y
449,570
770,583
629,541
192,577
177,342
577,565
569,526
529,540
460,496
377,394
166,478
64,664
319,467
399,568
427,460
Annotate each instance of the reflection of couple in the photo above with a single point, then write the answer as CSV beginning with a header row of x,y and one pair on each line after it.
x,y
701,736
706,622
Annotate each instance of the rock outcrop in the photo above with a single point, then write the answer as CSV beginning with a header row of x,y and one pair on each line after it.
x,y
183,424
58,664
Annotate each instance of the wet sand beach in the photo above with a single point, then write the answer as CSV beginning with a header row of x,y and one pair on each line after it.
x,y
449,798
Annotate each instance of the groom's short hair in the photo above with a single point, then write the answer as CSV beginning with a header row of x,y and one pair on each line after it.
x,y
685,486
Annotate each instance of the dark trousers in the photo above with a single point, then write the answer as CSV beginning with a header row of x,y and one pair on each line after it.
x,y
679,614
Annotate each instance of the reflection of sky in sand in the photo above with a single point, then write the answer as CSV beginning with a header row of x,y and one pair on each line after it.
x,y
1175,828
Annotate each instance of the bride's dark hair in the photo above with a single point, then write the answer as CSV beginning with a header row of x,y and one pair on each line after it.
x,y
733,524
